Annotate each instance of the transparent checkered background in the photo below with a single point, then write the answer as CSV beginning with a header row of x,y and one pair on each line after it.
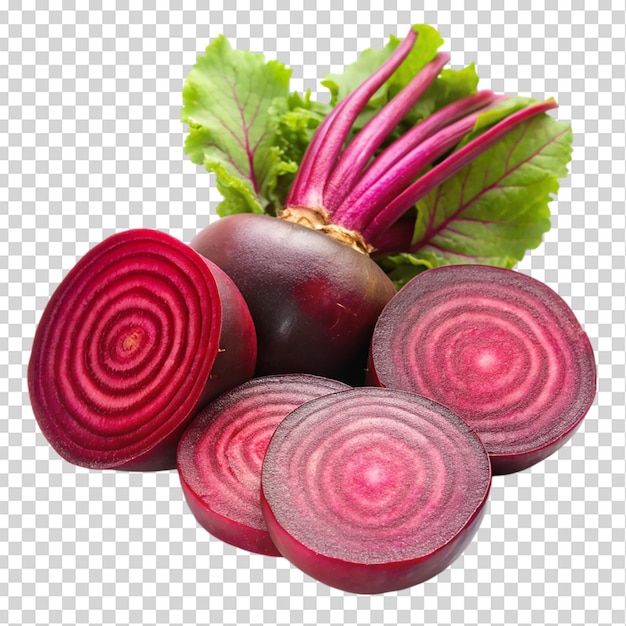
x,y
91,144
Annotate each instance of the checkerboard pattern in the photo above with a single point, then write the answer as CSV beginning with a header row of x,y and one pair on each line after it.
x,y
91,144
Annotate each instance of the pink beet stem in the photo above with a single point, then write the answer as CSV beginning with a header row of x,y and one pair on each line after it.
x,y
447,168
403,160
360,150
319,159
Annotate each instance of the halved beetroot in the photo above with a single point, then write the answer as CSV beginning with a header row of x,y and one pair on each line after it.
x,y
373,490
221,453
499,348
138,336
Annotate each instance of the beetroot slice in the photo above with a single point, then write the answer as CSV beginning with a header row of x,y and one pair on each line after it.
x,y
373,490
499,348
138,336
221,453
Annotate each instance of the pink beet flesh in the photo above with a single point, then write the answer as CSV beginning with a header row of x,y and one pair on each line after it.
x,y
373,490
221,453
140,333
500,349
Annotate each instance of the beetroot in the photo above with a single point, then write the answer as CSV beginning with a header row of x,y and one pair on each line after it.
x,y
138,336
499,348
221,453
314,300
373,490
304,266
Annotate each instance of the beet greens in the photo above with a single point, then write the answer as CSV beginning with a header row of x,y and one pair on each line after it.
x,y
366,179
420,167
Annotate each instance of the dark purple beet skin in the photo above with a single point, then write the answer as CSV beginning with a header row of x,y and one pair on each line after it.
x,y
314,300
221,453
499,348
373,490
139,335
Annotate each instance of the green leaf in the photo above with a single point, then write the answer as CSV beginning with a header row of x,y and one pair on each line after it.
x,y
496,208
295,120
449,86
401,268
495,114
425,49
226,98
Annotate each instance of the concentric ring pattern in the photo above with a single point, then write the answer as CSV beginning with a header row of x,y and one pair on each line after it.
x,y
221,453
124,348
497,347
374,476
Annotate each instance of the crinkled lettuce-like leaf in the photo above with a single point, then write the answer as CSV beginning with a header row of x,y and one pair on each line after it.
x,y
251,132
496,208
295,120
226,100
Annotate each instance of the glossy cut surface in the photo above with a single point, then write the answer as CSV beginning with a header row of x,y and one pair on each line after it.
x,y
499,348
372,490
221,453
139,334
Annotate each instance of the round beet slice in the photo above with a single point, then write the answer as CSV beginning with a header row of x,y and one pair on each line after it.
x,y
138,336
372,490
499,348
221,453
